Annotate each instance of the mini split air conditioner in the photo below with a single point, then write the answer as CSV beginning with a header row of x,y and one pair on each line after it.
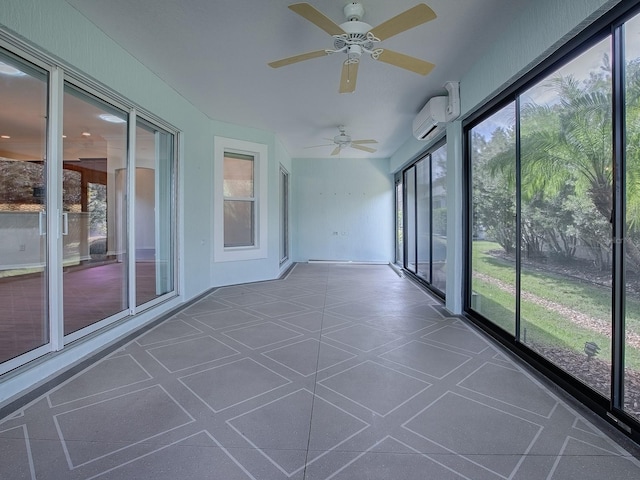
x,y
433,118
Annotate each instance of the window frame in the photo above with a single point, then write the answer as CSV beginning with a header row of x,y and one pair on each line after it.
x,y
259,152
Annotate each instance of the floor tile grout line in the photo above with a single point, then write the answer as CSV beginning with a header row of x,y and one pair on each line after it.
x,y
315,377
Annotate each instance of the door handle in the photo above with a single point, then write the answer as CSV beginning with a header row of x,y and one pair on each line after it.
x,y
65,223
42,222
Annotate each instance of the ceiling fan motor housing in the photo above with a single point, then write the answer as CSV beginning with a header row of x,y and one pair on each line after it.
x,y
354,11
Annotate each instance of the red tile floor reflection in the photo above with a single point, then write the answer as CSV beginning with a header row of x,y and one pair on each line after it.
x,y
90,295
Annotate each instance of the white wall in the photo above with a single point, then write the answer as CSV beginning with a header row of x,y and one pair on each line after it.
x,y
343,209
230,273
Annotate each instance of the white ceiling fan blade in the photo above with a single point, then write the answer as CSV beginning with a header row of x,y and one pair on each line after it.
x,y
316,17
363,141
405,61
297,58
408,19
336,150
360,147
348,77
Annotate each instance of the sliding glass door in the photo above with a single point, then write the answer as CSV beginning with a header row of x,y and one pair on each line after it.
x,y
94,215
154,232
24,323
69,265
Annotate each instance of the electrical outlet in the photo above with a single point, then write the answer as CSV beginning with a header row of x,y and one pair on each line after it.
x,y
23,247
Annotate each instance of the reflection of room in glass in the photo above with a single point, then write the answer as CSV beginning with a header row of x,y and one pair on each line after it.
x,y
94,201
153,213
23,317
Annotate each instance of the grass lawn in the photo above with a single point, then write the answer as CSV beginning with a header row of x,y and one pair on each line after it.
x,y
546,326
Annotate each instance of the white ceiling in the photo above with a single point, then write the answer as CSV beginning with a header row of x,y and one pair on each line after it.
x,y
215,54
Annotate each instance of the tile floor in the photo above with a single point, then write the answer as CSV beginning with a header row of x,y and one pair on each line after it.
x,y
336,372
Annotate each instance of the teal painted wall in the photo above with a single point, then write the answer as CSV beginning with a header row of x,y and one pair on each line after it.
x,y
343,209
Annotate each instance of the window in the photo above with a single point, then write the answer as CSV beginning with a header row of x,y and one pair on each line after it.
x,y
553,224
421,218
240,200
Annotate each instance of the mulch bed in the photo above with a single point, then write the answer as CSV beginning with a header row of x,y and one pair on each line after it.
x,y
595,372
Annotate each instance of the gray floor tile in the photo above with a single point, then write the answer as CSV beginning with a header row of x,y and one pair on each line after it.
x,y
484,435
170,330
315,321
109,374
96,430
225,386
197,457
339,371
421,357
190,353
262,335
229,318
375,387
461,338
309,356
278,309
362,337
15,463
511,387
389,459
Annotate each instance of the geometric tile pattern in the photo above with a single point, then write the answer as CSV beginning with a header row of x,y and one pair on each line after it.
x,y
344,372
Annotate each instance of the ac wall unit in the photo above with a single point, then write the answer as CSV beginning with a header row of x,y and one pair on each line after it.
x,y
432,119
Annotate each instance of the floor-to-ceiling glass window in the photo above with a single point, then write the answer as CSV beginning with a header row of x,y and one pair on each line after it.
x,y
632,223
94,219
154,225
554,232
410,262
439,218
23,238
421,205
423,217
493,218
566,207
399,222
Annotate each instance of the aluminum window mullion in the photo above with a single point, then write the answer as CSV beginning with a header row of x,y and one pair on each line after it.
x,y
518,220
131,209
619,221
54,259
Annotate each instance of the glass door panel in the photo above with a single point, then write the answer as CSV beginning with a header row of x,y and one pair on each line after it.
x,y
399,224
410,221
423,214
632,200
493,222
566,165
284,215
94,210
154,212
23,263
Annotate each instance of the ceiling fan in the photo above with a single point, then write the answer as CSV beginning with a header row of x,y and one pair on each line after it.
x,y
342,140
354,38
